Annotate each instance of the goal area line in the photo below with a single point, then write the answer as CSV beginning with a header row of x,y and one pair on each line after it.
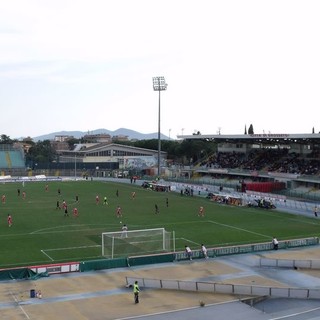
x,y
46,252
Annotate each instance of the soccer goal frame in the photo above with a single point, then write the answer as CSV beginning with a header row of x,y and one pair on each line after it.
x,y
136,242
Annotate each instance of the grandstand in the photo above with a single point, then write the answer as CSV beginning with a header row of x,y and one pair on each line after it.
x,y
290,160
11,158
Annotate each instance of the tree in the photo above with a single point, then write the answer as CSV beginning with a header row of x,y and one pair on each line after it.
x,y
250,130
178,151
71,142
4,139
148,144
245,129
41,152
195,150
28,140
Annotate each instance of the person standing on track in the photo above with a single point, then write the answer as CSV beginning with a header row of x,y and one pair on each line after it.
x,y
275,243
188,252
136,291
204,251
315,211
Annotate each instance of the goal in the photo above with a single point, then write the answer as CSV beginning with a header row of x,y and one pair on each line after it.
x,y
135,242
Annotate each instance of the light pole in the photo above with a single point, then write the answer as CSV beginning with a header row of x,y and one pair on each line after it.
x,y
159,84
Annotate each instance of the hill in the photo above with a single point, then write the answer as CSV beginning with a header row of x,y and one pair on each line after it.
x,y
132,135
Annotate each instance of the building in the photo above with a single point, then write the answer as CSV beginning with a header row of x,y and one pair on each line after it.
x,y
97,138
126,157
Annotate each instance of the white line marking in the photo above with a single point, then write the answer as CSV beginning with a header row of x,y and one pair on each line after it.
x,y
190,241
16,300
240,229
47,255
71,248
62,227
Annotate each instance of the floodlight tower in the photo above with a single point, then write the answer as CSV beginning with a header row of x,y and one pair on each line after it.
x,y
159,84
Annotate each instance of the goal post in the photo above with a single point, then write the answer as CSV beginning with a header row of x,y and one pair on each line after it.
x,y
136,242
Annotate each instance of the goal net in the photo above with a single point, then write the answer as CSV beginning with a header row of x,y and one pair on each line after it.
x,y
135,242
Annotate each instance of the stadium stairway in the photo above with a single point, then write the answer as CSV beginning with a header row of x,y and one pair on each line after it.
x,y
8,160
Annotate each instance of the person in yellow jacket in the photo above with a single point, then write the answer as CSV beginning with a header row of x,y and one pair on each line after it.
x,y
136,291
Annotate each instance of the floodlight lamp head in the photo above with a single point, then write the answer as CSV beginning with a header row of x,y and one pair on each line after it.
x,y
159,84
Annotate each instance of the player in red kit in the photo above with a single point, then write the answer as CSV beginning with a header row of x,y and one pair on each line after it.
x,y
9,219
119,212
75,212
65,208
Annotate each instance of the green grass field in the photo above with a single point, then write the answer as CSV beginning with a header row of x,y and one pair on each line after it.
x,y
40,233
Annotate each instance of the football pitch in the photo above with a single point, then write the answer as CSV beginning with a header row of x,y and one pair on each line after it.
x,y
42,234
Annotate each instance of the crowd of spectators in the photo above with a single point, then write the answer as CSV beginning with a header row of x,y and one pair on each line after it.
x,y
230,160
269,160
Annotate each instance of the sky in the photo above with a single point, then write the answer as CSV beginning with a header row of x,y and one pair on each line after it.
x,y
82,65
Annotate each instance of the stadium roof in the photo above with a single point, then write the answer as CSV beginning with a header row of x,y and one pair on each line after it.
x,y
284,138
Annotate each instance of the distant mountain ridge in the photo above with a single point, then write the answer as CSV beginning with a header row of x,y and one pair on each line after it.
x,y
121,131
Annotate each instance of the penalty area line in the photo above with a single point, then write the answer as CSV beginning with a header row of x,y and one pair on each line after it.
x,y
72,248
240,229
